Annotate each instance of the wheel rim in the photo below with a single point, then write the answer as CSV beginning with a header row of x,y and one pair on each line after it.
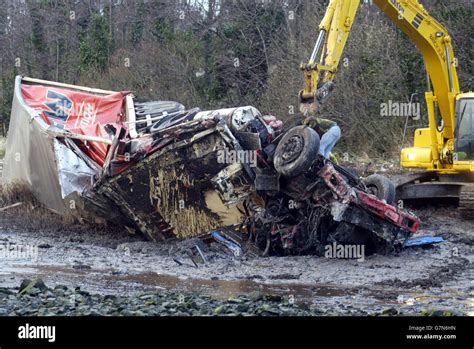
x,y
292,148
373,190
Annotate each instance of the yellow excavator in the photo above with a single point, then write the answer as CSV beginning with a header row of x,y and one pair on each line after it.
x,y
445,149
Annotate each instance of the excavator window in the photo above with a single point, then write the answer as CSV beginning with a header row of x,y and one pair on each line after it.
x,y
465,129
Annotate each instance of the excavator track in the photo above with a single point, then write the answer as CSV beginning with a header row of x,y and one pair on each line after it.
x,y
466,202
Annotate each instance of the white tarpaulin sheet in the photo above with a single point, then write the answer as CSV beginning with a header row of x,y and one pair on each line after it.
x,y
48,168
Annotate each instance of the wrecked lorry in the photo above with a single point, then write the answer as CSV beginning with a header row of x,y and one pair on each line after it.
x,y
171,172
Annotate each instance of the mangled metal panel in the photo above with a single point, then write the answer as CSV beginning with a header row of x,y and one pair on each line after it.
x,y
171,193
73,172
42,113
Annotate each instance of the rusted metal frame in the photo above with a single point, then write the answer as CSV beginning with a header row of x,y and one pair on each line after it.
x,y
335,182
55,132
382,210
387,212
230,138
178,126
111,153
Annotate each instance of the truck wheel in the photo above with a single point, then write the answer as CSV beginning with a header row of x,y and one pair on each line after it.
x,y
352,174
382,187
297,151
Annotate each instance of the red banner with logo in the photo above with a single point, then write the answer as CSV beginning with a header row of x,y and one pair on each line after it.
x,y
78,112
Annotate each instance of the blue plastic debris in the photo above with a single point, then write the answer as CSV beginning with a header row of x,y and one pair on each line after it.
x,y
424,240
236,250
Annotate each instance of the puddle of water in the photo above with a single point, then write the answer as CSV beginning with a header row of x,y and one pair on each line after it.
x,y
9,269
223,289
104,281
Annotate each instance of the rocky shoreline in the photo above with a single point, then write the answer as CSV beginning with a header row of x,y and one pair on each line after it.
x,y
34,298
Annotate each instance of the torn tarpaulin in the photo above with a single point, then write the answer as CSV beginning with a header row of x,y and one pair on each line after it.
x,y
77,112
423,241
74,173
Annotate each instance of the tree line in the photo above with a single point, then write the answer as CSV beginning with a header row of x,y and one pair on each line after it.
x,y
222,53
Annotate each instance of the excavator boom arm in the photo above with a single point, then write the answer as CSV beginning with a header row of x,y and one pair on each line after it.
x,y
430,37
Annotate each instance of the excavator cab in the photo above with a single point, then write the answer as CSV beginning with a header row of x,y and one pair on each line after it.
x,y
464,131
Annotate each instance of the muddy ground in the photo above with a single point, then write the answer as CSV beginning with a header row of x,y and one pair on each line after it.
x,y
110,261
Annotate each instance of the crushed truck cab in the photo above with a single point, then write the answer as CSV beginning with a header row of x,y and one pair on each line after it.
x,y
171,172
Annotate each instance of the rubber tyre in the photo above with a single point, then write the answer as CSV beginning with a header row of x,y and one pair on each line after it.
x,y
303,157
382,187
353,172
